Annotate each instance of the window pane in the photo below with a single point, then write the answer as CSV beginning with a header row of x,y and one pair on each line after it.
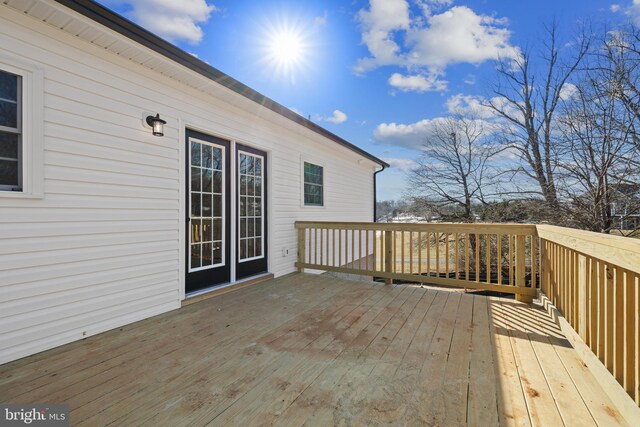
x,y
8,114
207,153
195,256
9,145
257,207
258,247
243,163
217,229
258,188
258,227
196,229
217,159
207,205
206,254
243,228
207,230
243,249
243,206
195,179
206,180
217,253
251,228
8,86
9,172
195,153
250,253
217,206
258,167
250,186
217,182
250,165
195,204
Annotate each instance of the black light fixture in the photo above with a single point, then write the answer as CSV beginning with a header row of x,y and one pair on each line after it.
x,y
157,124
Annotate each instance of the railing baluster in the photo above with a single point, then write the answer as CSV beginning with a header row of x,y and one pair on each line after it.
x,y
488,237
428,254
446,256
411,252
366,234
457,255
467,242
419,252
437,237
402,250
477,258
499,257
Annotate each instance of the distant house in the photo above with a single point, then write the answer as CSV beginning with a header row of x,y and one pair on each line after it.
x,y
133,175
626,207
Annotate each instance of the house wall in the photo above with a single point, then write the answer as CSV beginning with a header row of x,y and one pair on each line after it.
x,y
104,246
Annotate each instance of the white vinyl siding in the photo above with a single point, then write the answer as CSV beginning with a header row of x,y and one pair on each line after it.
x,y
105,246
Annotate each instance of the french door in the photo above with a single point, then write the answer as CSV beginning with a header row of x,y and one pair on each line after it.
x,y
251,208
208,259
209,214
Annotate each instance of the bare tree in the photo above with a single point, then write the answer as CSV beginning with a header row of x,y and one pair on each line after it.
x,y
597,131
527,99
452,173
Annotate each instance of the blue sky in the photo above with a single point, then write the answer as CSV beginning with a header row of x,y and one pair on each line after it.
x,y
375,72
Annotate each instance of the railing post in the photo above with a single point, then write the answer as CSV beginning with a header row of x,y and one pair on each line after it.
x,y
520,268
302,248
388,255
582,297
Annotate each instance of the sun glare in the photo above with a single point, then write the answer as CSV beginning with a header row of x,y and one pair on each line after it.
x,y
286,49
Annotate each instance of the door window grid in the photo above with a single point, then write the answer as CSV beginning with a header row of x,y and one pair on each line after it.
x,y
206,205
251,209
10,132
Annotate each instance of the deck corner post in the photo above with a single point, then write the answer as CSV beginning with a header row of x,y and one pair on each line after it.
x,y
388,255
302,246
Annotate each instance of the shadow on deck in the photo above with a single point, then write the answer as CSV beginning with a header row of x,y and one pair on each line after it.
x,y
321,351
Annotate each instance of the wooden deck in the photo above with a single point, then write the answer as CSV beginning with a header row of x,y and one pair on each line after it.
x,y
318,350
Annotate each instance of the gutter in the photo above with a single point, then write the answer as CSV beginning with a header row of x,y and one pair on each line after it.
x,y
132,31
375,192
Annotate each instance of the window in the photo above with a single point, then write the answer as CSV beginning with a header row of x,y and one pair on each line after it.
x,y
10,132
21,128
313,185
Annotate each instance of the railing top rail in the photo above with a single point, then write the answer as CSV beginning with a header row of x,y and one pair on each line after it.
x,y
617,250
481,228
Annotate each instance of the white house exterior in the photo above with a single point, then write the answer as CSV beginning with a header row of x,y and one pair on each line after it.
x,y
97,231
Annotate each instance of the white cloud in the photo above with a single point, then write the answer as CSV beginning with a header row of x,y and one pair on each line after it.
x,y
469,105
430,43
470,79
568,91
378,24
404,165
175,20
337,117
417,83
321,21
413,135
633,11
416,136
615,8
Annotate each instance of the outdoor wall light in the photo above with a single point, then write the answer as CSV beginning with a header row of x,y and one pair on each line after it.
x,y
157,124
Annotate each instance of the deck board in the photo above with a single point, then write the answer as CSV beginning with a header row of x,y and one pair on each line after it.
x,y
319,350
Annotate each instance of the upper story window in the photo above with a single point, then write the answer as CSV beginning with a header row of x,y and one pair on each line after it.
x,y
313,185
10,132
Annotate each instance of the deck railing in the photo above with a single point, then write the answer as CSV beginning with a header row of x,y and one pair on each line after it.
x,y
591,278
594,281
501,258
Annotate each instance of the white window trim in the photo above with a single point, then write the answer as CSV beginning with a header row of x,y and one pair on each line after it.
x,y
224,206
304,160
262,205
32,153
